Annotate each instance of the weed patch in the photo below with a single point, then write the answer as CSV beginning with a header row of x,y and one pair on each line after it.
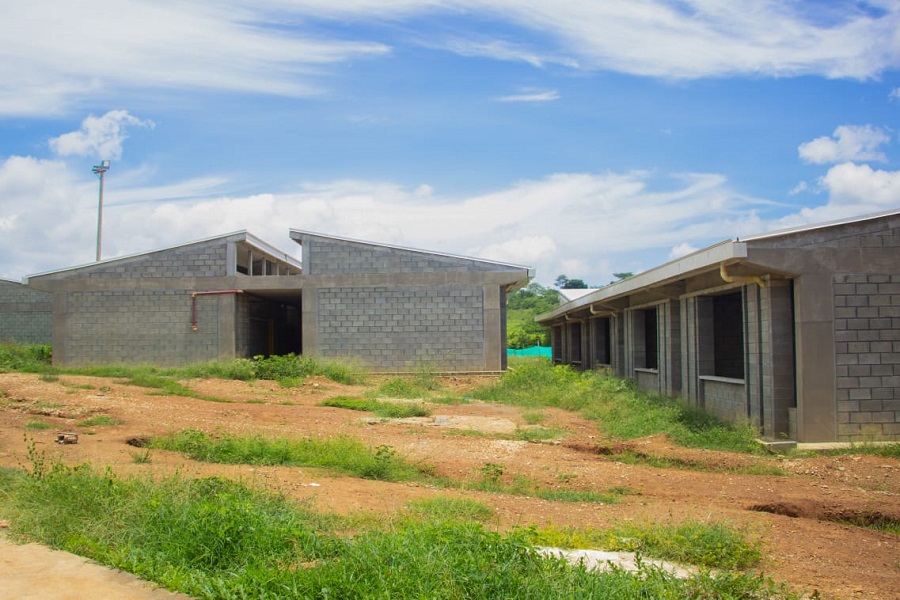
x,y
100,421
387,410
712,545
343,454
25,358
623,411
492,480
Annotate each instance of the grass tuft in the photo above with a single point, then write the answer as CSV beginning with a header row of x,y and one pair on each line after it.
x,y
343,453
712,545
623,411
387,410
100,421
26,358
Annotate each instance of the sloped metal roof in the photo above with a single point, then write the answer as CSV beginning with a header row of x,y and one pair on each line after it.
x,y
235,236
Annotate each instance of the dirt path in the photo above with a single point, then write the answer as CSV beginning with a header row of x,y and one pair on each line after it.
x,y
801,518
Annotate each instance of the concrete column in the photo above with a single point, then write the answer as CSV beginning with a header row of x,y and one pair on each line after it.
x,y
309,319
227,308
814,330
493,345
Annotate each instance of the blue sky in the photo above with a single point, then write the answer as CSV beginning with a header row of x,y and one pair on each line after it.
x,y
582,137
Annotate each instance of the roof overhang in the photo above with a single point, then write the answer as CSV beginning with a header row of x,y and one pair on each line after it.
x,y
663,279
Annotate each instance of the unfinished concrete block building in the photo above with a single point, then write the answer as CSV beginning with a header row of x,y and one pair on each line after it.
x,y
25,314
391,308
796,331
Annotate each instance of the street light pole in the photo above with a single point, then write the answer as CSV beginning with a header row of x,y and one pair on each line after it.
x,y
100,170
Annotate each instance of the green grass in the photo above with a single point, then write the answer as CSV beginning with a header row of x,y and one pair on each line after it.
x,y
26,358
443,508
141,458
669,462
289,368
884,450
539,434
215,538
533,417
100,421
341,454
713,545
621,410
409,388
387,410
38,425
492,480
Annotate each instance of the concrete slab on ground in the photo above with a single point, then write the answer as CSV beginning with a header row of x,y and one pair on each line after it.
x,y
35,572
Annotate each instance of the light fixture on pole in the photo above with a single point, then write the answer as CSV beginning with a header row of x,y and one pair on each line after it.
x,y
100,170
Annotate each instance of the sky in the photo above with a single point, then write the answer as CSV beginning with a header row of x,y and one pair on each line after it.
x,y
578,137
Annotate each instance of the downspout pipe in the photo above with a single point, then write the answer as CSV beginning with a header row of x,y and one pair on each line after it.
x,y
603,309
726,277
194,326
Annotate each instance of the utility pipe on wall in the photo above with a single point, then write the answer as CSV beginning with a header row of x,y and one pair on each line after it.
x,y
194,326
723,272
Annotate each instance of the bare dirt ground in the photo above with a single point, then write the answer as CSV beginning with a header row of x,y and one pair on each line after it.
x,y
798,517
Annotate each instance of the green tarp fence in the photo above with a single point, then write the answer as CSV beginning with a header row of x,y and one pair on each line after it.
x,y
543,351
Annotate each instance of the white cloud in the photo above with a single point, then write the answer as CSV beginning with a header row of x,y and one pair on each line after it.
x,y
52,54
98,136
531,96
529,250
681,40
852,184
682,249
848,142
700,38
895,94
852,190
799,188
499,50
55,54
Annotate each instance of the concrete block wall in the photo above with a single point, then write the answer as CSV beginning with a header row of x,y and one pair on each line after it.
x,y
867,354
26,315
329,256
402,328
191,261
725,399
886,238
137,326
722,397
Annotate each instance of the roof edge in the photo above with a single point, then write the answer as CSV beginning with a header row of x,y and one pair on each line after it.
x,y
815,226
711,256
241,235
301,232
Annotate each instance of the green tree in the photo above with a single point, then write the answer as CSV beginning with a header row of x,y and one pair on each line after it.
x,y
522,306
564,283
621,276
